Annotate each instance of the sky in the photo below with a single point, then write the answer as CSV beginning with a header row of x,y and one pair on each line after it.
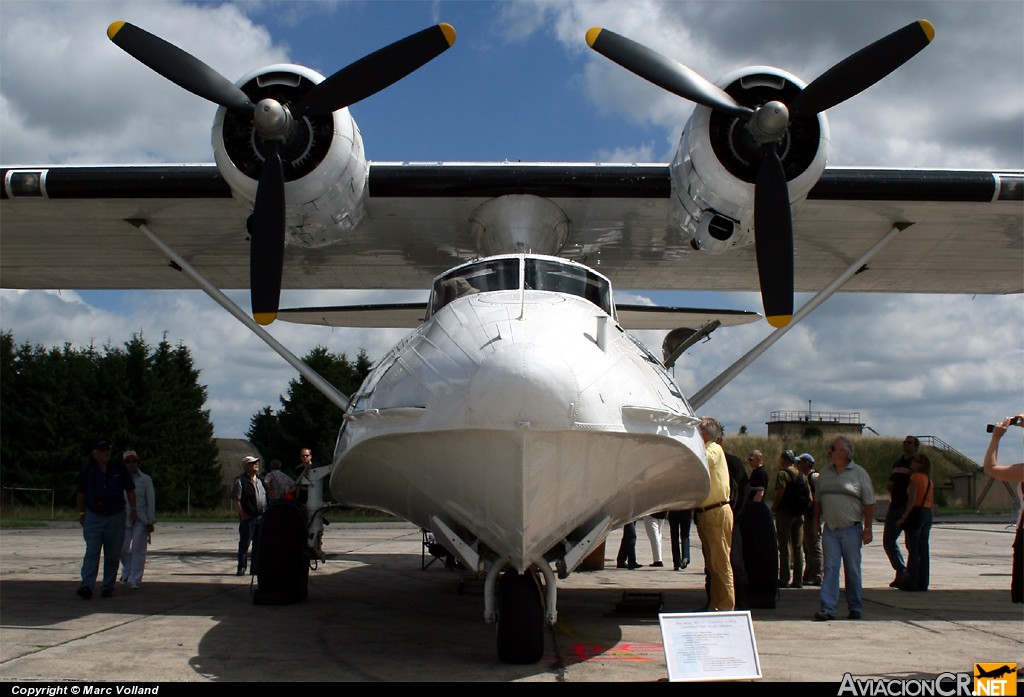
x,y
521,84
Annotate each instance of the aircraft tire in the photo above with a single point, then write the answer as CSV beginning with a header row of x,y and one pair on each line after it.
x,y
520,618
282,560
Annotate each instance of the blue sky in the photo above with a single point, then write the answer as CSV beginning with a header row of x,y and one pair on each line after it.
x,y
520,84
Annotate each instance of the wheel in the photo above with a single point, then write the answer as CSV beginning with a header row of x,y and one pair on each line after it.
x,y
281,562
520,618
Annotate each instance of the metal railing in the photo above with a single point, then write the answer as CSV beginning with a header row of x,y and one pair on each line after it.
x,y
835,417
964,463
12,490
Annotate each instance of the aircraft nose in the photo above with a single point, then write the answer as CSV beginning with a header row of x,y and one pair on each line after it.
x,y
523,386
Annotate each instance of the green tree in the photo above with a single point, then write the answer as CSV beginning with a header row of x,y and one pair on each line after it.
x,y
57,401
307,419
49,415
179,444
265,433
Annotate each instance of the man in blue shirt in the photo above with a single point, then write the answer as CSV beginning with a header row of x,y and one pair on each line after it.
x,y
103,487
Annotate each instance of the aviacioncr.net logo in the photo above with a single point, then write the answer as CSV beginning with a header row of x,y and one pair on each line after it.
x,y
995,679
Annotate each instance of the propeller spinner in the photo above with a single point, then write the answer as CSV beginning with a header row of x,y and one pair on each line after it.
x,y
274,121
767,125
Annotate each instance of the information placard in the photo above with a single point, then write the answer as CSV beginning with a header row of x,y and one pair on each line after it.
x,y
710,646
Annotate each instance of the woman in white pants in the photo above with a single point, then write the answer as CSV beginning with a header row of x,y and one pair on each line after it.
x,y
652,524
136,536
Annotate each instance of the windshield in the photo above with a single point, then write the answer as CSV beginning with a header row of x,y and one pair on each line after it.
x,y
546,274
503,274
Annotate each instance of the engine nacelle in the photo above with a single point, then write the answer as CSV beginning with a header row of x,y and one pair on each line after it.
x,y
324,163
716,164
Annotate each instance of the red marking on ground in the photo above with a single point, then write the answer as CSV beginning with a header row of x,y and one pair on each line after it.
x,y
618,652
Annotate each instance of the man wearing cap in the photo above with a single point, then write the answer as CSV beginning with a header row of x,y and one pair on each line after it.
x,y
103,488
136,536
812,543
789,525
249,499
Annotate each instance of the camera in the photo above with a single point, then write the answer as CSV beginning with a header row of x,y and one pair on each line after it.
x,y
1015,421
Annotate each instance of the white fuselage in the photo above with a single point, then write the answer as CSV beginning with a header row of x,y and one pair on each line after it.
x,y
519,418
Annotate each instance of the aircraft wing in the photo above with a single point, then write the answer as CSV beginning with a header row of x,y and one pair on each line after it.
x,y
410,315
64,227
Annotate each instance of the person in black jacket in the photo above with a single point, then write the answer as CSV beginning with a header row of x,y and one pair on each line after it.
x,y
249,499
899,480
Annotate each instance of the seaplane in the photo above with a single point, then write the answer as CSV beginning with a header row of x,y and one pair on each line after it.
x,y
520,421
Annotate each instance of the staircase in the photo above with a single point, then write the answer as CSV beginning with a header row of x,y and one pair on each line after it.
x,y
974,498
964,463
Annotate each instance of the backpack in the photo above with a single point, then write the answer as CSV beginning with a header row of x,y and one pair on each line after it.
x,y
812,479
796,499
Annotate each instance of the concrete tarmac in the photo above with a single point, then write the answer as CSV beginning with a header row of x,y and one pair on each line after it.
x,y
374,615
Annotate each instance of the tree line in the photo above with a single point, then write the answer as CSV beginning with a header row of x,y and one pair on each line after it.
x,y
57,401
306,418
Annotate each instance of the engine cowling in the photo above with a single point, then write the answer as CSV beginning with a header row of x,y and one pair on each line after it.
x,y
716,164
324,163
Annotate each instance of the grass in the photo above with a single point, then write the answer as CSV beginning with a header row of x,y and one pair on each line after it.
x,y
874,453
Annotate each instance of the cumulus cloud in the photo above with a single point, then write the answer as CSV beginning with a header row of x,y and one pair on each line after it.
x,y
64,82
968,79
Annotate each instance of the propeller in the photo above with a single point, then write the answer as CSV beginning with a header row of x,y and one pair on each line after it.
x,y
273,122
181,68
768,124
266,230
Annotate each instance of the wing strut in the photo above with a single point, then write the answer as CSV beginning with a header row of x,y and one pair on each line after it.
x,y
726,376
327,389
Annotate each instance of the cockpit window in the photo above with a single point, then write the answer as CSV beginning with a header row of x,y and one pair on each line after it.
x,y
546,274
496,274
503,274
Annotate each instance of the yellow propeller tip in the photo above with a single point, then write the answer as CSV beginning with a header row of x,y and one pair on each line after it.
x,y
114,28
592,35
927,28
448,31
778,321
264,318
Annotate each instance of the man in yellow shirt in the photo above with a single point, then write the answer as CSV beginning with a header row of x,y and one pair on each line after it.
x,y
714,521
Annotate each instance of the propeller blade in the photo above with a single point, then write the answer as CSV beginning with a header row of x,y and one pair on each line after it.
x,y
663,72
376,71
266,232
773,239
864,68
181,68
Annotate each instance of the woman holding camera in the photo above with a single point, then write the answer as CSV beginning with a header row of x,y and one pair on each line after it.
x,y
1010,473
